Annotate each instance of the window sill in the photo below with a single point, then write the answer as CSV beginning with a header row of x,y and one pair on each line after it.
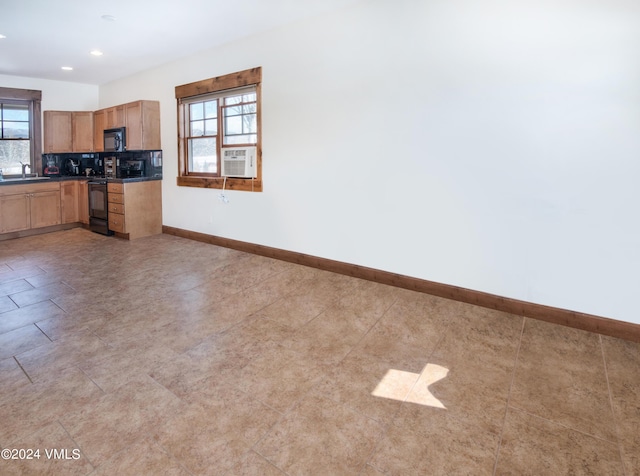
x,y
247,185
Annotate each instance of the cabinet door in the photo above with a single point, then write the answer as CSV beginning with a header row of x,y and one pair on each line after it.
x,y
115,117
45,208
69,201
57,131
99,125
133,119
82,124
14,213
83,202
143,125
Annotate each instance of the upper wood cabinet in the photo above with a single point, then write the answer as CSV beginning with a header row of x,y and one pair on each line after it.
x,y
57,131
82,136
67,131
115,117
99,125
141,118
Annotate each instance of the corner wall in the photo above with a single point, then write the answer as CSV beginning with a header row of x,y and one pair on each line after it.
x,y
488,145
57,95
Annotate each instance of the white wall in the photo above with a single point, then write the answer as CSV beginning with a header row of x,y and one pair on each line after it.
x,y
57,95
489,144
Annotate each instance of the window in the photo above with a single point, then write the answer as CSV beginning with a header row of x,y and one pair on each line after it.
x,y
19,132
213,115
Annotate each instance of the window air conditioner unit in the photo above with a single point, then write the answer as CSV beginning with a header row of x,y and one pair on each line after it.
x,y
239,162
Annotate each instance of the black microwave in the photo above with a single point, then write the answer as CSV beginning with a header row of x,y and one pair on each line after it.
x,y
115,140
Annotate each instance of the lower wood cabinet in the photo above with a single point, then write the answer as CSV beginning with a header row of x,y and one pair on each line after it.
x,y
69,201
83,202
135,208
23,207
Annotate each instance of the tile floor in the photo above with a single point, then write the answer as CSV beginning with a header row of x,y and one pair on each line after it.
x,y
168,356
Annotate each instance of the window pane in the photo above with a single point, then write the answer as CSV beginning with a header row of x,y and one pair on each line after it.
x,y
233,111
197,128
196,111
211,127
202,155
249,122
14,112
249,108
233,125
12,152
15,130
233,100
249,97
241,139
211,109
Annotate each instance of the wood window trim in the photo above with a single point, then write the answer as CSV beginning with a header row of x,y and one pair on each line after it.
x,y
35,97
247,77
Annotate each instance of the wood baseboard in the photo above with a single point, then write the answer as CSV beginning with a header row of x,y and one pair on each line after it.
x,y
578,320
38,231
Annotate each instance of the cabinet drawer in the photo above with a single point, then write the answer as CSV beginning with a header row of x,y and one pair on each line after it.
x,y
116,208
116,222
115,188
115,198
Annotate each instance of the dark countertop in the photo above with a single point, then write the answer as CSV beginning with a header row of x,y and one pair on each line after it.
x,y
64,178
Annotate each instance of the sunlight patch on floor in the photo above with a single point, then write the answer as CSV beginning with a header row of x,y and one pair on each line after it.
x,y
399,385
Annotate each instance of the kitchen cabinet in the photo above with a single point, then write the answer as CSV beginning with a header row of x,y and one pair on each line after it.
x,y
108,118
57,131
24,207
99,125
68,131
135,208
83,201
115,117
69,209
82,131
142,120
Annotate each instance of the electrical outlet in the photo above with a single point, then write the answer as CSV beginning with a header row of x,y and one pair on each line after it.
x,y
223,198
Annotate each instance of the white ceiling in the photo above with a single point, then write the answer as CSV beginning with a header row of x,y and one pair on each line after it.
x,y
44,35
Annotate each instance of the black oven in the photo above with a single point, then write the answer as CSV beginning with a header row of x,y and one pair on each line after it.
x,y
98,207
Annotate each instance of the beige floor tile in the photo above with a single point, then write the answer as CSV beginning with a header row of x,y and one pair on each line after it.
x,y
50,451
212,435
39,363
445,444
320,436
120,419
11,375
252,464
533,446
408,332
143,457
21,340
13,287
7,304
28,408
279,377
560,375
623,368
15,273
43,293
28,315
354,383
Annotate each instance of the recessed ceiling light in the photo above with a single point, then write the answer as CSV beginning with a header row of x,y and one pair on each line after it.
x,y
97,53
2,36
108,18
67,68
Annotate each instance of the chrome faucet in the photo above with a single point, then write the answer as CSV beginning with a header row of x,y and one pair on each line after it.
x,y
24,166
